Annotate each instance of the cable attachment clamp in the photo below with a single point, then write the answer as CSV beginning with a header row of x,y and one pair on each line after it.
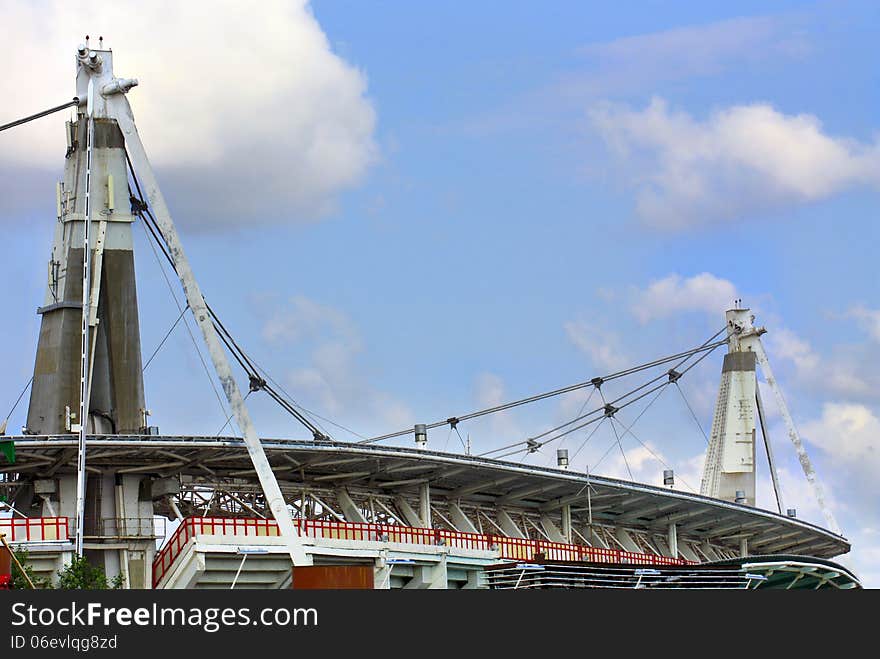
x,y
256,383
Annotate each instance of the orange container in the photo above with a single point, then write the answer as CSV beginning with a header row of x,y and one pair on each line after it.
x,y
5,562
315,577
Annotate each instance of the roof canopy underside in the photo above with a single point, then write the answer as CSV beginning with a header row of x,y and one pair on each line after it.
x,y
466,480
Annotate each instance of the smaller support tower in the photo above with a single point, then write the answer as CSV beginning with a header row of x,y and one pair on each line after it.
x,y
729,471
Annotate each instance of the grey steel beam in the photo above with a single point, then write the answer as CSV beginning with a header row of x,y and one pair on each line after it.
x,y
336,477
578,498
634,514
675,518
531,490
467,490
738,526
407,481
773,543
657,510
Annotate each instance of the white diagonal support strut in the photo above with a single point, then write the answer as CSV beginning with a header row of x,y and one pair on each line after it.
x,y
119,109
795,438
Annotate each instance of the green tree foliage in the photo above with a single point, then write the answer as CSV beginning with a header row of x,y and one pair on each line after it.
x,y
19,580
79,574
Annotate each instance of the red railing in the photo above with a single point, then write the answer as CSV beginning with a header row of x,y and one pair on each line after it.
x,y
518,549
34,529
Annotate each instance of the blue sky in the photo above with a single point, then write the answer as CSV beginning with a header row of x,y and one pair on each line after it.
x,y
408,211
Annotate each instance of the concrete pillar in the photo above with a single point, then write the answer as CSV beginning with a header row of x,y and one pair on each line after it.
x,y
382,573
744,547
552,530
409,515
429,576
594,539
686,552
660,543
566,523
505,521
626,540
673,540
707,549
349,507
425,505
440,576
461,521
475,580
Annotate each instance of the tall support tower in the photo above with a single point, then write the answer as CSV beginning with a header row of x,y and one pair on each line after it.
x,y
117,385
91,312
729,471
117,519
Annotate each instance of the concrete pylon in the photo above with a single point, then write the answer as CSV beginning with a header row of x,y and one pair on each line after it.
x,y
118,509
730,458
116,405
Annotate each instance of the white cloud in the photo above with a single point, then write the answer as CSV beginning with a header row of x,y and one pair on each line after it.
x,y
868,319
797,493
693,50
689,475
850,434
304,318
490,391
740,160
246,112
844,373
629,65
785,344
865,557
601,346
647,464
674,294
334,376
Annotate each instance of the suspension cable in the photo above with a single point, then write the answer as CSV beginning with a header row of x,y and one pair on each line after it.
x,y
141,208
656,456
617,436
620,446
165,338
612,408
707,346
673,375
586,441
189,332
38,115
693,414
18,400
311,413
254,372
